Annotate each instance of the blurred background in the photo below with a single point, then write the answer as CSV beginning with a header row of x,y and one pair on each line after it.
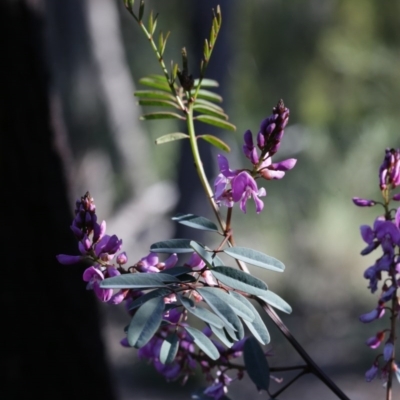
x,y
336,65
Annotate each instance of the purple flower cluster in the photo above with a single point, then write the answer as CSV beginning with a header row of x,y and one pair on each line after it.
x,y
384,234
96,247
233,186
100,250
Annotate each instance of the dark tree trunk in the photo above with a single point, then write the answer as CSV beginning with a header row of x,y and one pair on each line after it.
x,y
51,347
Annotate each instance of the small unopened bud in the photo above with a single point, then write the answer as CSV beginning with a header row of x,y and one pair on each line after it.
x,y
363,202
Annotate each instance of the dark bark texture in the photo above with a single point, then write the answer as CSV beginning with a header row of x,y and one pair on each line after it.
x,y
52,347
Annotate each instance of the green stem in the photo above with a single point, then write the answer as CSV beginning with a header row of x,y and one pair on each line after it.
x,y
199,165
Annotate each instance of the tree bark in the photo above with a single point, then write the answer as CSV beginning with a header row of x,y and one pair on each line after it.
x,y
52,347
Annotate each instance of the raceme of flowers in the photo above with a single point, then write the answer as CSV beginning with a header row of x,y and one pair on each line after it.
x,y
159,325
384,234
233,186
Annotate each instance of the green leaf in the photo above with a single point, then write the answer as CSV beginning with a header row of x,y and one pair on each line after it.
x,y
217,262
255,258
200,108
176,271
222,335
275,301
161,292
137,281
204,343
154,94
239,280
215,142
170,137
237,306
141,10
257,326
159,103
235,335
220,307
162,115
169,348
172,246
208,119
205,255
145,322
195,222
201,312
210,96
256,363
208,104
206,83
156,83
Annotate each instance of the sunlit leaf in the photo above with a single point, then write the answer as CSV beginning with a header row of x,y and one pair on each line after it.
x,y
172,246
156,83
220,123
206,83
255,258
208,95
137,281
162,115
256,363
215,142
170,137
200,108
201,312
145,322
276,301
158,103
208,104
196,222
239,280
203,342
257,326
154,94
169,348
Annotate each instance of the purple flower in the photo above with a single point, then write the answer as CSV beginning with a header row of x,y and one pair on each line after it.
x,y
371,373
277,170
388,294
68,260
106,248
377,313
389,171
249,149
388,350
122,258
363,202
151,263
195,262
94,276
375,341
216,390
272,128
396,197
170,371
222,193
243,187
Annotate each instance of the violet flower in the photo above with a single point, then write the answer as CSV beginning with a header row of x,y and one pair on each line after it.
x,y
243,187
